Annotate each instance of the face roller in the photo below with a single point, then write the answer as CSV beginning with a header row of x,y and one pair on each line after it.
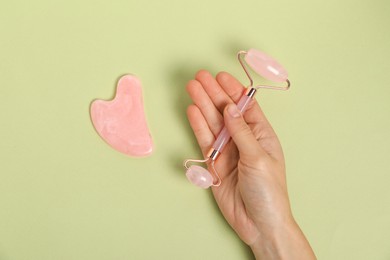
x,y
269,69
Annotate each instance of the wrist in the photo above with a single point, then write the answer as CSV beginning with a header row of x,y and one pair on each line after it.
x,y
285,241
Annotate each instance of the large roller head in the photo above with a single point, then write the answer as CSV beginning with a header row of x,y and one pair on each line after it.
x,y
265,66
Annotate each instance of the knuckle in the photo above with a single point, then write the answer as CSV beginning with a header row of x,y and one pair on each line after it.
x,y
192,85
241,130
191,109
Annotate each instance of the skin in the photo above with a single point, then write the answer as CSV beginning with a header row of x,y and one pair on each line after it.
x,y
253,195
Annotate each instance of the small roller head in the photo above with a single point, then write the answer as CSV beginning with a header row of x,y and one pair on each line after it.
x,y
199,176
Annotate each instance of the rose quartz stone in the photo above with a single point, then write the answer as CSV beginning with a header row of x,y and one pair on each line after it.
x,y
266,66
199,176
121,122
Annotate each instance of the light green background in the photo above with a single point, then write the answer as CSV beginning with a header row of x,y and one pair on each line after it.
x,y
65,194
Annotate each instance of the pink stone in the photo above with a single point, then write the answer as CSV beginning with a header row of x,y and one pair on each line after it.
x,y
199,176
121,122
266,66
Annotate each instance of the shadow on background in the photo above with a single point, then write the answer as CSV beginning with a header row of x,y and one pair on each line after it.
x,y
178,79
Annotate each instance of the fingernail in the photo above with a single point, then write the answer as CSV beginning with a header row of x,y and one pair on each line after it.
x,y
233,111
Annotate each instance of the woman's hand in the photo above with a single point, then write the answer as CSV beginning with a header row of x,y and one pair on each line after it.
x,y
253,195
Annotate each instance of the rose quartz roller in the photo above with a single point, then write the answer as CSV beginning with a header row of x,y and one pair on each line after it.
x,y
263,65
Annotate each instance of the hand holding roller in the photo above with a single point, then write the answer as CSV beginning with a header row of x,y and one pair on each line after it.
x,y
269,69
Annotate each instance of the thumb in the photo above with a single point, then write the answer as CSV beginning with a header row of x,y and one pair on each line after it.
x,y
241,133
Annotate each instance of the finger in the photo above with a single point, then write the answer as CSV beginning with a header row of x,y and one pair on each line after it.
x,y
255,115
254,140
203,102
199,126
234,89
226,89
241,134
213,90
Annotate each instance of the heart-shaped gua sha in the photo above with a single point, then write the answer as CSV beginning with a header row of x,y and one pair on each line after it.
x,y
121,122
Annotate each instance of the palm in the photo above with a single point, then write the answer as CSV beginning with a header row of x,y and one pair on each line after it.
x,y
228,196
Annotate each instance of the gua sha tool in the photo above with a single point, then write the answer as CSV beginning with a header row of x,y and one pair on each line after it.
x,y
121,122
266,67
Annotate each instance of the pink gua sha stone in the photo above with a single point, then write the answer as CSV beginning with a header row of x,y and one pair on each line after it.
x,y
266,66
199,176
121,122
